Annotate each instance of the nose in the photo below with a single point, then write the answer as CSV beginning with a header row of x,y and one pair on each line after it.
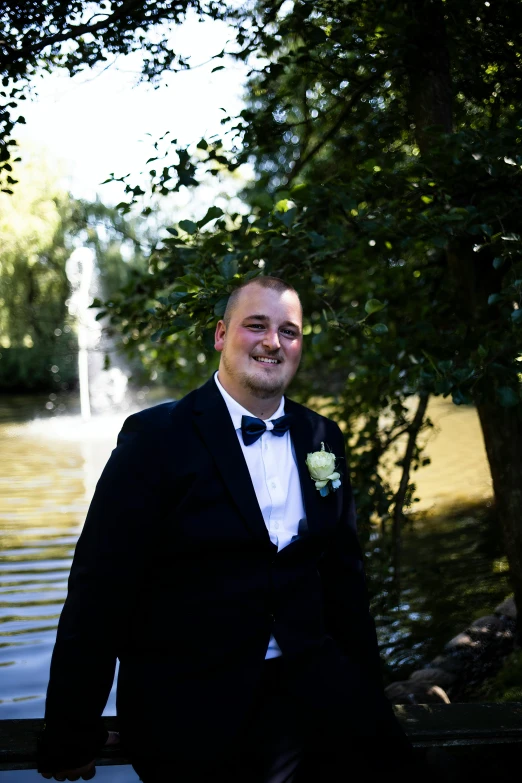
x,y
271,340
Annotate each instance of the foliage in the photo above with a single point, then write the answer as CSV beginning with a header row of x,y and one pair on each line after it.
x,y
395,215
23,370
505,686
40,224
74,35
36,335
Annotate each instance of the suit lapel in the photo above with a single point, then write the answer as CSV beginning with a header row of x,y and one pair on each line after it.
x,y
303,438
213,422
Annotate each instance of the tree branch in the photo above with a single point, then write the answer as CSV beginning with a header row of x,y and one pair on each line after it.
x,y
333,130
77,30
400,496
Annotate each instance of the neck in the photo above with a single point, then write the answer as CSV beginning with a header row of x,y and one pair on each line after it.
x,y
262,408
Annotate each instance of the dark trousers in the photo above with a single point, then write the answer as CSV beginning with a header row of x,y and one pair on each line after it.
x,y
310,722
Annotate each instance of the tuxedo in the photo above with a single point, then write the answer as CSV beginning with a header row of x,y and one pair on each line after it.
x,y
174,574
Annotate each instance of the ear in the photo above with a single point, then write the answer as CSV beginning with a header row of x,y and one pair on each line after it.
x,y
219,337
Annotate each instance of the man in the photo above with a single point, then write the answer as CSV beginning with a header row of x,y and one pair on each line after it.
x,y
228,581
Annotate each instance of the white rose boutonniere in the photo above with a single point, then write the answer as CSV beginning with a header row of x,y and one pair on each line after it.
x,y
321,465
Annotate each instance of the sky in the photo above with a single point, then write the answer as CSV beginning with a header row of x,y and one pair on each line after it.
x,y
97,122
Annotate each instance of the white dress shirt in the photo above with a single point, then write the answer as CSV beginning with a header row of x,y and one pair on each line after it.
x,y
273,470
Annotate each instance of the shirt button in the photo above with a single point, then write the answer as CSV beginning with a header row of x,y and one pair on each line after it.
x,y
276,525
273,485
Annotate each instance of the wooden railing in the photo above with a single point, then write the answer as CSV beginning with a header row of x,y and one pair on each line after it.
x,y
484,740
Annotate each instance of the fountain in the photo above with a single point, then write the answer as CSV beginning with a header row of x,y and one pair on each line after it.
x,y
104,388
79,268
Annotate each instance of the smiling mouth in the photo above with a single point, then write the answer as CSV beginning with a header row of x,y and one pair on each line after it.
x,y
266,360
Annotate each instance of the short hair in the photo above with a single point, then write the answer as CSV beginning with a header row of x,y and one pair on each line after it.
x,y
265,281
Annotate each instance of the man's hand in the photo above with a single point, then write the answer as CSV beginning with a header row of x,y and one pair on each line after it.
x,y
88,771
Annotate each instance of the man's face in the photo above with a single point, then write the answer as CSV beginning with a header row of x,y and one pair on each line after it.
x,y
261,347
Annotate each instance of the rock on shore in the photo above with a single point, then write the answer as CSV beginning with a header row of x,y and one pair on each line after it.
x,y
468,659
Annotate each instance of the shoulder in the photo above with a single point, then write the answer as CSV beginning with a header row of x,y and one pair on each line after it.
x,y
317,420
155,417
158,417
320,428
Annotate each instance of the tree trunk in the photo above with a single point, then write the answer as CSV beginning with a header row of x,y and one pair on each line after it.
x,y
429,73
428,65
502,431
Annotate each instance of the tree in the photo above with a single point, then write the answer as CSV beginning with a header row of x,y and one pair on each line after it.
x,y
39,37
386,142
40,224
38,345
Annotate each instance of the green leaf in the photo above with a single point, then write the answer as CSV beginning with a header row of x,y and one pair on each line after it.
x,y
191,280
507,396
207,339
228,267
217,68
373,306
516,316
178,324
278,241
156,336
177,296
497,262
287,217
212,214
459,398
173,231
189,226
219,307
379,328
317,240
494,298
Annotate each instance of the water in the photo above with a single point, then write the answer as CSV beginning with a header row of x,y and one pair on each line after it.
x,y
454,571
50,465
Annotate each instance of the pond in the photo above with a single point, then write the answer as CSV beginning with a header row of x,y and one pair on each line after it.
x,y
51,461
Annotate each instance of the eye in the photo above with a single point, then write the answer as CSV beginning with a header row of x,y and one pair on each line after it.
x,y
289,332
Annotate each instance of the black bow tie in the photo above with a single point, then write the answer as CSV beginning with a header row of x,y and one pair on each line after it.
x,y
252,428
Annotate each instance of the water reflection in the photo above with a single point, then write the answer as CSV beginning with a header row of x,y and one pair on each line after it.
x,y
454,571
42,504
50,466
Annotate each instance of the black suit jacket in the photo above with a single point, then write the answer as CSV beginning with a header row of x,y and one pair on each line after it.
x,y
174,574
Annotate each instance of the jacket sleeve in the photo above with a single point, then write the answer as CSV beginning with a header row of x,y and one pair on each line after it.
x,y
109,558
346,600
